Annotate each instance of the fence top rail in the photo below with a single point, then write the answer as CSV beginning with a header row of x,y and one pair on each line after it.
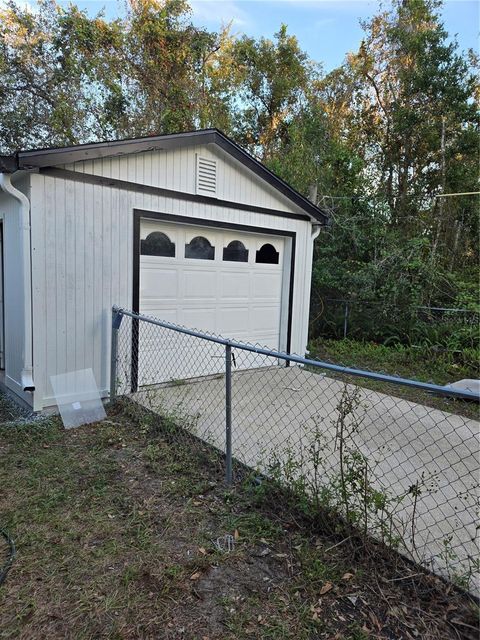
x,y
420,308
381,377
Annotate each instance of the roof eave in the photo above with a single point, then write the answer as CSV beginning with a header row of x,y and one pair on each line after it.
x,y
8,164
93,151
39,158
260,169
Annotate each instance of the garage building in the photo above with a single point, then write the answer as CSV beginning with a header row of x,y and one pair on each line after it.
x,y
186,227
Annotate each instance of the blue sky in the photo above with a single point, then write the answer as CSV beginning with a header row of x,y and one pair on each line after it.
x,y
326,29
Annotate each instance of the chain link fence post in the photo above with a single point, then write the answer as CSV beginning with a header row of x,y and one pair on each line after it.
x,y
345,320
228,414
116,321
289,422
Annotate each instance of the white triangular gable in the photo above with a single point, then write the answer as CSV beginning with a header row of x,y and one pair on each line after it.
x,y
176,169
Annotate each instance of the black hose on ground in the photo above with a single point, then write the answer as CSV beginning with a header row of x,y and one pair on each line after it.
x,y
6,567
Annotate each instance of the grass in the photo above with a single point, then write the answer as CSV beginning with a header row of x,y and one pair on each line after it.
x,y
115,525
9,410
422,364
425,364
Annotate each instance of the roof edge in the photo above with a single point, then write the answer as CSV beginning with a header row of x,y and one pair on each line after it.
x,y
269,176
49,157
8,164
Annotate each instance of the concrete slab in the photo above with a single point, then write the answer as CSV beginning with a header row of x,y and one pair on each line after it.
x,y
277,411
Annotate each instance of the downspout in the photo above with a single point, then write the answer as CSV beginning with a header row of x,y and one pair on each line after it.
x,y
25,259
315,232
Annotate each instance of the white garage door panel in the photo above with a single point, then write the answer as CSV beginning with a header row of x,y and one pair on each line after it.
x,y
200,284
267,285
198,318
234,286
235,321
159,282
239,300
178,363
264,318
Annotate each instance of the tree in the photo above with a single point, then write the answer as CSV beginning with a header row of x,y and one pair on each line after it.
x,y
414,90
165,55
66,77
60,76
381,137
272,79
405,105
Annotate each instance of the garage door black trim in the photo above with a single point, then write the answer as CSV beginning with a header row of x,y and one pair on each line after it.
x,y
140,214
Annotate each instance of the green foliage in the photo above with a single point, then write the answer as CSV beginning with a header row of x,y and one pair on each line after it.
x,y
406,101
273,81
380,137
427,363
68,78
337,485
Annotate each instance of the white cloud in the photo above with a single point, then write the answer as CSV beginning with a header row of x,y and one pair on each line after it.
x,y
324,22
338,6
219,12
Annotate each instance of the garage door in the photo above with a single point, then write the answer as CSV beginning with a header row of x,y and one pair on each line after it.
x,y
215,280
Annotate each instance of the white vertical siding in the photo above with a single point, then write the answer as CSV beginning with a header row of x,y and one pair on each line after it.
x,y
82,253
83,263
13,290
175,169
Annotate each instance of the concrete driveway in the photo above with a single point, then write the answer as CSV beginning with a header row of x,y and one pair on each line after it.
x,y
277,410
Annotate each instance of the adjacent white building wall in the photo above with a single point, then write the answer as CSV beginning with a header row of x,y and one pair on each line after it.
x,y
82,259
13,289
176,169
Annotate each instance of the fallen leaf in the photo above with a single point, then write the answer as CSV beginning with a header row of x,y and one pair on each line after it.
x,y
347,576
195,576
236,535
328,586
202,550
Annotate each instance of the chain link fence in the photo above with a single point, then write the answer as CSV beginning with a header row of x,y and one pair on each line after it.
x,y
403,470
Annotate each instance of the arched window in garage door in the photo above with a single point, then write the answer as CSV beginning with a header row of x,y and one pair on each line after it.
x,y
157,244
200,248
267,254
235,251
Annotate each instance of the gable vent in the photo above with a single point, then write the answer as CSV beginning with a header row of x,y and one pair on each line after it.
x,y
206,176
